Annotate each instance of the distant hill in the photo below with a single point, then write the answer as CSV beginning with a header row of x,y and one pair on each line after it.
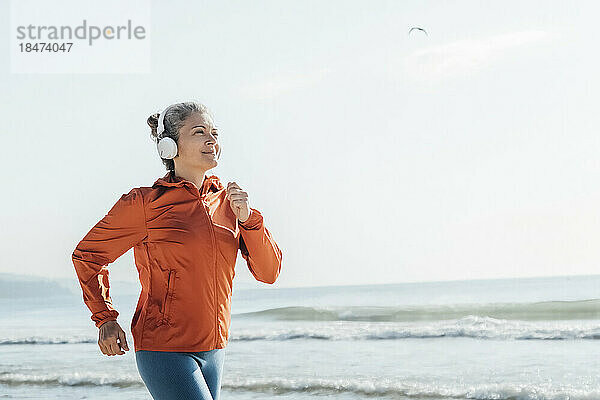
x,y
19,286
118,287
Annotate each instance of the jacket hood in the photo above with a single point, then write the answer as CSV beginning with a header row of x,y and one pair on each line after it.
x,y
211,183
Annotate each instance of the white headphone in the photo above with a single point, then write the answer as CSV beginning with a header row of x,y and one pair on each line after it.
x,y
167,148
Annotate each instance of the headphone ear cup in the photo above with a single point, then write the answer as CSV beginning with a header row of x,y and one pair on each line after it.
x,y
167,148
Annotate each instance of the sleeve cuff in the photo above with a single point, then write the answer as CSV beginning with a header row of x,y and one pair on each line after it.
x,y
100,323
254,221
101,317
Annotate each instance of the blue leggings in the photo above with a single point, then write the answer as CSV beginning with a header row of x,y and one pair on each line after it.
x,y
172,375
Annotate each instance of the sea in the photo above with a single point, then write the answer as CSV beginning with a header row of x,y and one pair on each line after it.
x,y
500,339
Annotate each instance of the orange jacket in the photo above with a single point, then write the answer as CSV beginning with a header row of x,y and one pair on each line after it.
x,y
185,244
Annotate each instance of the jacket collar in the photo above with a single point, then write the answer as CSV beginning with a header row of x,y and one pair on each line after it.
x,y
211,183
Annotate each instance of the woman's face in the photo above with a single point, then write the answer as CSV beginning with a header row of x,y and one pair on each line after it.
x,y
198,144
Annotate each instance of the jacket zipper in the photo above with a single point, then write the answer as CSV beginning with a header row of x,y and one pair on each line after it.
x,y
168,296
214,242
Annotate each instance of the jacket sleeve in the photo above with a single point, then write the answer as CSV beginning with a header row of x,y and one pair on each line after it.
x,y
121,228
258,248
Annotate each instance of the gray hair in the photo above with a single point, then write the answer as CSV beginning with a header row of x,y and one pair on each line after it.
x,y
174,119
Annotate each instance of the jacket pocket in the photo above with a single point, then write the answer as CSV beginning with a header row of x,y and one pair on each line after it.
x,y
166,308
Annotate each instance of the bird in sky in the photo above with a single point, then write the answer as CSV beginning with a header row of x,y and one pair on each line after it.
x,y
417,28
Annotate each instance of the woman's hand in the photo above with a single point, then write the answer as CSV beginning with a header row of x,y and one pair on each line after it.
x,y
238,200
107,339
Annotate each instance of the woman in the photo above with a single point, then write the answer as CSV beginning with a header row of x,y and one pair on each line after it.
x,y
185,230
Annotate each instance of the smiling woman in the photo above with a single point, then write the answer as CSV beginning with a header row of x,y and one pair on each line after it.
x,y
186,231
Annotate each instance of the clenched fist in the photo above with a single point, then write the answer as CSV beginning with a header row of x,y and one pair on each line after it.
x,y
238,200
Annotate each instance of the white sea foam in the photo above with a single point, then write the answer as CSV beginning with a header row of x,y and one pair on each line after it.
x,y
382,388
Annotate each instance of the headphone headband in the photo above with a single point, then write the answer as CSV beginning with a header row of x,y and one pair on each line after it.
x,y
161,121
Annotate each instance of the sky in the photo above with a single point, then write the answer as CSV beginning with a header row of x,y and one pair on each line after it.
x,y
375,156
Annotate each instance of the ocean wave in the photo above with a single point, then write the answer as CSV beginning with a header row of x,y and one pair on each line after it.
x,y
545,310
470,326
402,389
47,340
72,379
381,388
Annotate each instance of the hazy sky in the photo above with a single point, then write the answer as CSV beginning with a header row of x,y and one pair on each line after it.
x,y
375,157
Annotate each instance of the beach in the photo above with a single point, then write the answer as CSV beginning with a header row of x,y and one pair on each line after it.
x,y
520,339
